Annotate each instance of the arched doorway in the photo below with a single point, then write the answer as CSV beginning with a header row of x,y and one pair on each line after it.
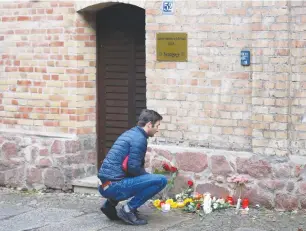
x,y
121,80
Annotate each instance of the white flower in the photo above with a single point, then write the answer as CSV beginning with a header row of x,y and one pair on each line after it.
x,y
221,201
215,205
214,199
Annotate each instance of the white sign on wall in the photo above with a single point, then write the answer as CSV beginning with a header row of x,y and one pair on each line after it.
x,y
168,7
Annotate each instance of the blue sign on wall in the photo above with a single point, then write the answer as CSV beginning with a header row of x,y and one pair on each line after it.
x,y
245,58
168,7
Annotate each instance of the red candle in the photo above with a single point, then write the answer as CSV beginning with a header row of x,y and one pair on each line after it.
x,y
245,203
230,200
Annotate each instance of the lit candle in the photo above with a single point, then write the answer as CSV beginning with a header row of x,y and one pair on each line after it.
x,y
230,200
245,203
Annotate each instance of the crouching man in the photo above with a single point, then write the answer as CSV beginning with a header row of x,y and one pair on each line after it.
x,y
122,180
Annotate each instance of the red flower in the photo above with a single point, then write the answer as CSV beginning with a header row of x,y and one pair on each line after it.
x,y
190,183
198,206
166,167
173,169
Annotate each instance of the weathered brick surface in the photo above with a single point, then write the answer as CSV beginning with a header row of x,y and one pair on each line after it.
x,y
36,164
287,192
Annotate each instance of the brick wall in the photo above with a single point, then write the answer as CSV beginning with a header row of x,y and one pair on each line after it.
x,y
47,72
47,68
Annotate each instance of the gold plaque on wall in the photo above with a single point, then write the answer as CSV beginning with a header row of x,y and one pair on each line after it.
x,y
171,47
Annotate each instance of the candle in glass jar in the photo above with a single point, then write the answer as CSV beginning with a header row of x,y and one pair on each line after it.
x,y
245,203
230,200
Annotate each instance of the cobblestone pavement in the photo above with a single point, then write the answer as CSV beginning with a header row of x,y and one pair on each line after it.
x,y
25,211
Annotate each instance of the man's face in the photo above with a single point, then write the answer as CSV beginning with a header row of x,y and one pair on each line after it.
x,y
153,129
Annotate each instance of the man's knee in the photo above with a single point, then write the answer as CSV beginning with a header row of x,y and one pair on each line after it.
x,y
162,180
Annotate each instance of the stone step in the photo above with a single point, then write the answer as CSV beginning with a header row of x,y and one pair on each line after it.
x,y
87,185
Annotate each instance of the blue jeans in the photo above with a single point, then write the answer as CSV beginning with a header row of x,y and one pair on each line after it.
x,y
141,188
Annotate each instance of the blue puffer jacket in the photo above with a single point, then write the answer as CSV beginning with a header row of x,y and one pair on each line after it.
x,y
133,143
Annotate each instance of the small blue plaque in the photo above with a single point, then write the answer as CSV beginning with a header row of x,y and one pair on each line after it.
x,y
245,58
168,7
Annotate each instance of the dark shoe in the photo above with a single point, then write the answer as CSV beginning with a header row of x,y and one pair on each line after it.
x,y
131,217
110,211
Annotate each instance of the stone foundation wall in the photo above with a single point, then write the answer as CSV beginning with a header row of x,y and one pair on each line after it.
x,y
275,182
45,162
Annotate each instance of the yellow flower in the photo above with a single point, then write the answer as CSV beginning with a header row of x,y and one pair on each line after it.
x,y
174,205
187,200
156,203
169,201
180,204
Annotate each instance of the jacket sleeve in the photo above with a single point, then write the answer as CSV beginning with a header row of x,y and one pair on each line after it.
x,y
136,156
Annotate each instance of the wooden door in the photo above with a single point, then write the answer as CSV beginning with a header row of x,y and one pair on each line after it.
x,y
121,81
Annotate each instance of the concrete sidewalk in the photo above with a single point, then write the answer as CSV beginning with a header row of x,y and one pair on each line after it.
x,y
25,211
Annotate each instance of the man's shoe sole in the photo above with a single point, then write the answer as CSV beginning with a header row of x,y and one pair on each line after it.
x,y
122,215
113,218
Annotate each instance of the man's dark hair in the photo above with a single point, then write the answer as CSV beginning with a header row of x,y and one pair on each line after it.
x,y
147,116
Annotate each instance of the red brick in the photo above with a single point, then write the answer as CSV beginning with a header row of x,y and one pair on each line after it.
x,y
81,37
51,123
1,38
68,111
49,11
55,31
22,32
21,116
8,19
74,71
66,4
80,30
93,37
39,84
9,121
26,69
41,110
25,109
41,69
54,110
90,44
55,17
56,57
299,44
55,77
9,6
16,63
56,97
64,104
24,82
282,52
74,57
11,69
22,44
56,44
238,75
23,18
84,130
14,102
89,97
